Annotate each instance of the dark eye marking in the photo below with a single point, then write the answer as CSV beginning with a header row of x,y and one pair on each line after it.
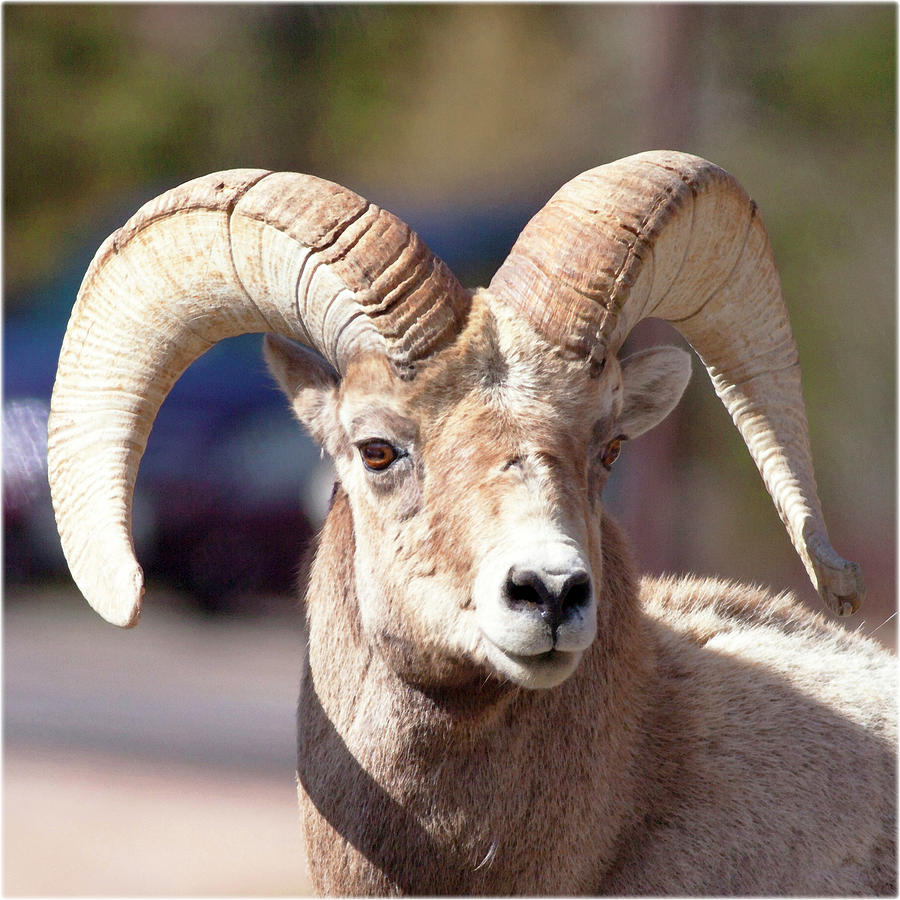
x,y
378,455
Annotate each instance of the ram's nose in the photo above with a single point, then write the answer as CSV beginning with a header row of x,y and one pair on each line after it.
x,y
557,596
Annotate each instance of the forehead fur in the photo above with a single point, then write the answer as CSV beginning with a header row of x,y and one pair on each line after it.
x,y
499,364
506,364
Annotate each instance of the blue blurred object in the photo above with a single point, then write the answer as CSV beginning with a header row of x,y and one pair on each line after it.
x,y
217,512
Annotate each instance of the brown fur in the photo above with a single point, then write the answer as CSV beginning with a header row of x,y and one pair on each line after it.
x,y
444,776
663,766
714,739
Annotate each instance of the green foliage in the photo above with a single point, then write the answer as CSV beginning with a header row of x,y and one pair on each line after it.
x,y
843,77
103,99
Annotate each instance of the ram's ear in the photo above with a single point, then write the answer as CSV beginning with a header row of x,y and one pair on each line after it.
x,y
309,383
652,384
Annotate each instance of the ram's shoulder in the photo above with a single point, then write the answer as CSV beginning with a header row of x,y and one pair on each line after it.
x,y
706,626
701,608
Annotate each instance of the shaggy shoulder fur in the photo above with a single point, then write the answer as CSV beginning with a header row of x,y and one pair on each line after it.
x,y
766,719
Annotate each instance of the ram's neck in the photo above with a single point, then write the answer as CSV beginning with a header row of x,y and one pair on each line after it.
x,y
433,794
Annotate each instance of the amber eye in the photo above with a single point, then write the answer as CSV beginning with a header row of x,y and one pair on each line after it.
x,y
611,452
377,455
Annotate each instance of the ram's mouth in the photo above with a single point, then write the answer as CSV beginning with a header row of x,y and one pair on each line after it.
x,y
538,671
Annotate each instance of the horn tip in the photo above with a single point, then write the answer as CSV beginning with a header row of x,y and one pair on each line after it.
x,y
118,599
841,586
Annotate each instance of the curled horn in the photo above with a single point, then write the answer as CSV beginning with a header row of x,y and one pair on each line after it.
x,y
227,254
671,236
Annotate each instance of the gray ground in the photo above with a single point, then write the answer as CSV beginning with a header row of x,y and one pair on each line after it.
x,y
157,761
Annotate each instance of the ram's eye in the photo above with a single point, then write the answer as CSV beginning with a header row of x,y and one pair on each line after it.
x,y
611,452
377,455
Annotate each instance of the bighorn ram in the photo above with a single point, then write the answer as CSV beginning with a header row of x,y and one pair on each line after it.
x,y
493,702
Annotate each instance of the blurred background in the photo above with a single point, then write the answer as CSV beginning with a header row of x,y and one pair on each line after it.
x,y
159,761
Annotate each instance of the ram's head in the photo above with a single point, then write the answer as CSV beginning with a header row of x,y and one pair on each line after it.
x,y
475,490
472,432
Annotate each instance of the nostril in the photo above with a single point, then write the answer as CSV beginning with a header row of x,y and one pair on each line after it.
x,y
525,586
575,592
